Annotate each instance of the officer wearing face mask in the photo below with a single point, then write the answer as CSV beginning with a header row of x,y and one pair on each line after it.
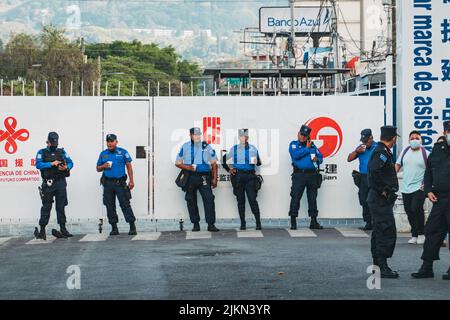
x,y
383,186
55,165
437,189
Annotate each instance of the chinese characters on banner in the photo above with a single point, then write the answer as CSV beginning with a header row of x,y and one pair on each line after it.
x,y
16,164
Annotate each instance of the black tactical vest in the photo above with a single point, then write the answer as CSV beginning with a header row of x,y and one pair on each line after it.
x,y
53,172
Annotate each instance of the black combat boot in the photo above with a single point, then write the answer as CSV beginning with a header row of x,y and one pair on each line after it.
x,y
293,223
243,223
132,231
368,227
114,230
57,234
212,228
41,234
375,261
446,276
258,223
37,234
64,231
196,227
386,272
315,224
425,271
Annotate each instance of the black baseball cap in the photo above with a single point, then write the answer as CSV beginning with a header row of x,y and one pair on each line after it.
x,y
365,135
305,130
446,125
195,131
243,132
111,137
53,138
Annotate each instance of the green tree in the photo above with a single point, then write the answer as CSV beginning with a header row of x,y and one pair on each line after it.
x,y
130,62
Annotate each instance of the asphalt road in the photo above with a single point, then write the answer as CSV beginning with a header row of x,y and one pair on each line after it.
x,y
270,265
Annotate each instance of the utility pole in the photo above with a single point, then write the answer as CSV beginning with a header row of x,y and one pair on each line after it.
x,y
389,66
292,37
335,37
362,28
394,40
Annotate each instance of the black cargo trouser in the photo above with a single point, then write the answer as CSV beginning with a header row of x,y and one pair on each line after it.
x,y
113,188
413,203
202,183
246,185
58,192
384,234
363,193
300,181
436,228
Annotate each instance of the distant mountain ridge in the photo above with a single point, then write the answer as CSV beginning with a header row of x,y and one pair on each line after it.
x,y
202,31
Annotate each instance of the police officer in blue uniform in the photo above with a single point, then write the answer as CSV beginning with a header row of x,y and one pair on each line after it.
x,y
199,158
112,162
383,186
437,188
55,165
245,158
363,153
306,159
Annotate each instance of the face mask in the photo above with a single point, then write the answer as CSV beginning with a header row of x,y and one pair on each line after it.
x,y
415,144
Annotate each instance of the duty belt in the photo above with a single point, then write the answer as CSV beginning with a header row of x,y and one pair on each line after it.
x,y
50,182
116,180
195,173
246,171
297,170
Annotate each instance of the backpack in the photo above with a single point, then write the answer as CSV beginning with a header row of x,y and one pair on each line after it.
x,y
424,155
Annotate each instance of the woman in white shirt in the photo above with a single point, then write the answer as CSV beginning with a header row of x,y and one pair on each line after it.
x,y
413,162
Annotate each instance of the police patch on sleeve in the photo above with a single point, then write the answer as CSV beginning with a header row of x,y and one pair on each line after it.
x,y
383,157
39,156
294,146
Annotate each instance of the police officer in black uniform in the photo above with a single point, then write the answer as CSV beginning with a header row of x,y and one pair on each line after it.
x,y
55,165
437,188
383,185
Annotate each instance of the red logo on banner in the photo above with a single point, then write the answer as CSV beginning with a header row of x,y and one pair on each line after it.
x,y
10,135
211,130
331,142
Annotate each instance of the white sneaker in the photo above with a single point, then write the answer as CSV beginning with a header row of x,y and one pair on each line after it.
x,y
421,239
413,240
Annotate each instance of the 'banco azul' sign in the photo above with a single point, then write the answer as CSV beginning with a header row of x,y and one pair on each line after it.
x,y
306,20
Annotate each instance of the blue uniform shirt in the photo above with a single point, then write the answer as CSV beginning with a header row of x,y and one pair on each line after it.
x,y
40,164
301,155
242,156
119,157
365,157
201,154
